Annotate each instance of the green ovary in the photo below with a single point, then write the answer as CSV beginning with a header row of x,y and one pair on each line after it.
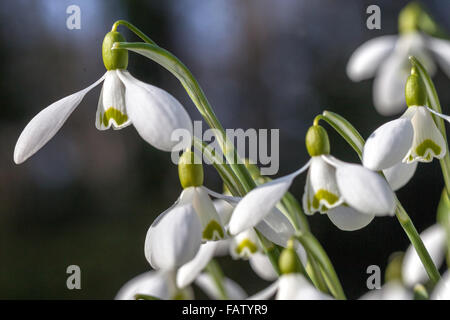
x,y
213,231
115,114
246,244
326,195
425,145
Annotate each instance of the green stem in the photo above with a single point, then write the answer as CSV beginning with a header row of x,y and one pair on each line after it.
x,y
216,274
417,242
134,29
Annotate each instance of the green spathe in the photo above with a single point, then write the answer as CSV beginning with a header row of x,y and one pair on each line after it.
x,y
190,170
117,58
317,142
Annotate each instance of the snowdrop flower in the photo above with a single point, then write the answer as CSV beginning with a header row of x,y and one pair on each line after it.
x,y
331,184
386,59
442,289
414,137
124,100
157,284
434,239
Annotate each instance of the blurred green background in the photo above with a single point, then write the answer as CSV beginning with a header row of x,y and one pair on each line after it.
x,y
88,197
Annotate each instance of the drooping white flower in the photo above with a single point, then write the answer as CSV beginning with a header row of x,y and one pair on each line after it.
x,y
442,289
208,286
157,284
124,100
386,59
413,137
413,271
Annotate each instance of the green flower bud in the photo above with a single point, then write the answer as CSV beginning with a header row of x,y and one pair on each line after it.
x,y
317,142
289,261
408,19
394,267
117,58
415,92
190,170
420,292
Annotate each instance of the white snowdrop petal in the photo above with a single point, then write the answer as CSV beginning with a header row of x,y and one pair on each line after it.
x,y
367,58
244,244
441,48
434,240
442,289
262,266
348,219
259,202
188,272
153,283
154,113
295,287
175,240
388,144
390,291
400,174
111,110
266,293
365,190
208,286
322,190
428,142
224,210
212,228
47,123
276,227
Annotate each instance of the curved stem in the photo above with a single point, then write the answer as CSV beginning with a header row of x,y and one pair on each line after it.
x,y
134,29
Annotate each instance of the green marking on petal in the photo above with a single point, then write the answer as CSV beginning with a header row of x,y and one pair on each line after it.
x,y
425,145
113,113
246,245
213,231
326,195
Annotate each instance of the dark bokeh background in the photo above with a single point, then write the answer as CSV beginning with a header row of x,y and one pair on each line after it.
x,y
88,197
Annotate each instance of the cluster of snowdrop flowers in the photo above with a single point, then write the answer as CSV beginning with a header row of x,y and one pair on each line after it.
x,y
124,100
399,144
386,58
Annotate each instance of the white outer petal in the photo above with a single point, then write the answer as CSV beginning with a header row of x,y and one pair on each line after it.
x,y
388,144
224,210
47,123
154,113
442,289
390,291
295,287
266,293
366,59
365,190
348,219
412,269
441,48
153,283
259,202
175,240
188,272
276,227
262,266
400,174
233,290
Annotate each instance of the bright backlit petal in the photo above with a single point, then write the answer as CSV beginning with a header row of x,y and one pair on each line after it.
x,y
175,240
111,108
189,271
47,123
154,113
434,240
367,58
295,287
365,190
208,286
388,144
153,283
428,142
400,174
442,289
259,202
262,266
348,219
